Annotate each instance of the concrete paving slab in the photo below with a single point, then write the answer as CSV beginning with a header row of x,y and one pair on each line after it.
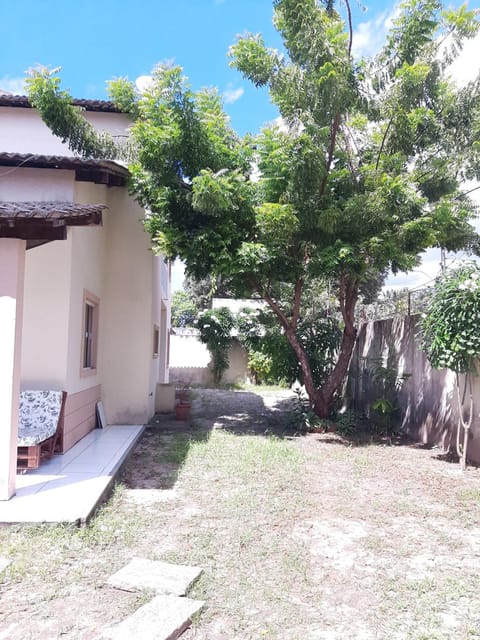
x,y
162,577
163,618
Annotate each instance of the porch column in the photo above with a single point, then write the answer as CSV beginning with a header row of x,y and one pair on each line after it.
x,y
12,269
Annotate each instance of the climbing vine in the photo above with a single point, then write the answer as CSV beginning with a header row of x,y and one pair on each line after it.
x,y
215,326
451,339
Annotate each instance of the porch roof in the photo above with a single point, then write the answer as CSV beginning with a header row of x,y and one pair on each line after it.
x,y
86,170
8,99
40,222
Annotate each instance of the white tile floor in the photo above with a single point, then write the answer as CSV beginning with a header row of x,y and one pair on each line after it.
x,y
69,487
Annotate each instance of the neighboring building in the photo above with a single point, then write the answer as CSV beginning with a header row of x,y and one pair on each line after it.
x,y
84,303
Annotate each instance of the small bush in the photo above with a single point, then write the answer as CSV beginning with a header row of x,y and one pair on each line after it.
x,y
215,326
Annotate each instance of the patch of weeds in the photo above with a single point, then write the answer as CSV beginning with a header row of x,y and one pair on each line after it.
x,y
469,495
303,418
113,524
266,454
32,548
177,450
143,596
348,423
363,462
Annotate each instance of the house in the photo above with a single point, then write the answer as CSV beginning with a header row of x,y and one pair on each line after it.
x,y
84,303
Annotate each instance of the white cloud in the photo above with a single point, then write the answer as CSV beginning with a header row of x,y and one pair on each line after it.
x,y
422,276
143,83
369,37
281,124
13,85
466,67
231,95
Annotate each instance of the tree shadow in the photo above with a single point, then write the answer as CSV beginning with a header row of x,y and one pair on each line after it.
x,y
244,412
160,454
364,438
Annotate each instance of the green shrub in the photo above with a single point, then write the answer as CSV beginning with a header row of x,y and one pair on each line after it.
x,y
215,326
260,333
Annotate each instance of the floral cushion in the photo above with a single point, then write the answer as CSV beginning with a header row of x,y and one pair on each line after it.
x,y
38,417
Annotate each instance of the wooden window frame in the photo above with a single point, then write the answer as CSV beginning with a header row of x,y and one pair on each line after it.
x,y
156,341
90,324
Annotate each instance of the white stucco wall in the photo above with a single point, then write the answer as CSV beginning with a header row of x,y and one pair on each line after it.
x,y
22,131
113,262
128,383
88,247
47,283
23,184
46,316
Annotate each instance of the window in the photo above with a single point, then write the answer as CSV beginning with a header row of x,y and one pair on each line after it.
x,y
156,340
90,333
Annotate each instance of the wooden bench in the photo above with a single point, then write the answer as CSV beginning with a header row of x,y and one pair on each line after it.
x,y
40,426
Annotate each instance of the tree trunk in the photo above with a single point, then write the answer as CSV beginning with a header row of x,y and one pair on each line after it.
x,y
321,399
304,363
325,395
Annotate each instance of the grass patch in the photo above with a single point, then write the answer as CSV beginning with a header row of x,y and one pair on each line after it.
x,y
298,537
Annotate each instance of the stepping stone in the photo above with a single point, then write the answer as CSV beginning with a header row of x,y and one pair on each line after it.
x,y
163,618
161,577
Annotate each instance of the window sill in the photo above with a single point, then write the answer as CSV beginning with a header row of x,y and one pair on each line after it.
x,y
86,373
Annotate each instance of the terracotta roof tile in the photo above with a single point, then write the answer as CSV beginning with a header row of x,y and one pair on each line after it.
x,y
50,210
60,162
104,171
11,100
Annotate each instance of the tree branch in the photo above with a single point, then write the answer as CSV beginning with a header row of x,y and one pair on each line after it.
x,y
384,139
331,149
297,298
350,27
271,303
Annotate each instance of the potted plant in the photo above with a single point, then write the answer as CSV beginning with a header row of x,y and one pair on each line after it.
x,y
183,404
182,410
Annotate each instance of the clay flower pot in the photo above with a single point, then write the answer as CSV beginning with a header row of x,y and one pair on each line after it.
x,y
182,410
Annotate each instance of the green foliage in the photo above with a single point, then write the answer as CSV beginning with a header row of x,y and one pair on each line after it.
x,y
215,326
272,359
364,174
388,383
384,406
449,330
184,311
260,366
303,417
202,290
347,423
64,119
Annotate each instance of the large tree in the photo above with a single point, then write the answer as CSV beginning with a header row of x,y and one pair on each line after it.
x,y
362,174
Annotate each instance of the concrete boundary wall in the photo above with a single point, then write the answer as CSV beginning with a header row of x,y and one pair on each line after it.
x,y
190,360
427,398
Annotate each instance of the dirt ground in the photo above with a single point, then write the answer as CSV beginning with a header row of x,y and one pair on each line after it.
x,y
301,537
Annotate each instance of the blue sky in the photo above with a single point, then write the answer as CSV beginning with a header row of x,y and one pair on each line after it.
x,y
96,40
